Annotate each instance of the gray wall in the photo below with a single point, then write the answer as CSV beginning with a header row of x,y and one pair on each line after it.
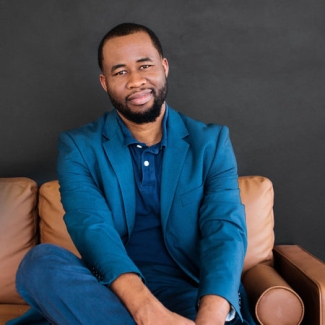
x,y
256,66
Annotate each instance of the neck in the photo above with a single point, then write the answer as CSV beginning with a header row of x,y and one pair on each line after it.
x,y
148,133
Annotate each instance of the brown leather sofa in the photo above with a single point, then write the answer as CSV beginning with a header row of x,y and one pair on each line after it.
x,y
285,283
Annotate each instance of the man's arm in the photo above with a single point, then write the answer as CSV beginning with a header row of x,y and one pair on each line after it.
x,y
142,304
213,310
223,241
89,220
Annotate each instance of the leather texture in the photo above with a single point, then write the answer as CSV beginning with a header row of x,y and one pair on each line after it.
x,y
52,227
18,231
306,274
301,273
10,311
258,197
275,301
256,194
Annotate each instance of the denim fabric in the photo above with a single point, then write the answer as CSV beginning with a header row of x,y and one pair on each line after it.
x,y
60,287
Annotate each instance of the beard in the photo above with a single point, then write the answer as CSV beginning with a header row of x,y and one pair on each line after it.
x,y
148,115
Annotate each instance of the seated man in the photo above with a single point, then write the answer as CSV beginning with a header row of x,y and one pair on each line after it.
x,y
152,204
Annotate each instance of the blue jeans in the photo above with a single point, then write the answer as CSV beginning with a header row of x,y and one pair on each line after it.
x,y
62,291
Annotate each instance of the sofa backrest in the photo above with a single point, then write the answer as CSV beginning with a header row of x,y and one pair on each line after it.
x,y
18,231
256,194
258,197
19,224
51,224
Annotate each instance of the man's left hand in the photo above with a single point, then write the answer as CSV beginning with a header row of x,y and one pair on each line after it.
x,y
213,310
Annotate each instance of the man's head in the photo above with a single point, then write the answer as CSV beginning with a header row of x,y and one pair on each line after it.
x,y
134,72
127,29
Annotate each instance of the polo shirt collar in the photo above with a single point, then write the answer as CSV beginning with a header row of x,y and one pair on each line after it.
x,y
129,139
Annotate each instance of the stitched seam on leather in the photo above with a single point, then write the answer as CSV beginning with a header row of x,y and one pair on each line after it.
x,y
310,280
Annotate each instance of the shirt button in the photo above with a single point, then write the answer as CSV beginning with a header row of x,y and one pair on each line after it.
x,y
146,163
138,146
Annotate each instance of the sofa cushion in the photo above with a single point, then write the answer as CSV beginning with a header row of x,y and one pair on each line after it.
x,y
10,311
257,195
18,231
274,300
52,227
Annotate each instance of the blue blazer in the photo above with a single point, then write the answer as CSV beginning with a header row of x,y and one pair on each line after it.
x,y
203,220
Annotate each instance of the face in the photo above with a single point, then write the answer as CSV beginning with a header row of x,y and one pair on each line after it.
x,y
135,77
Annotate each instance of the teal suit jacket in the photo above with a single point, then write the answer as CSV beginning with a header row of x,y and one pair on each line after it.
x,y
203,220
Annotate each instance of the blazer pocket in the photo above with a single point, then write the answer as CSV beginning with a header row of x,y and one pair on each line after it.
x,y
192,196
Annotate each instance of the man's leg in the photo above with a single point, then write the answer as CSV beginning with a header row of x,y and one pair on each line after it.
x,y
179,294
60,287
172,288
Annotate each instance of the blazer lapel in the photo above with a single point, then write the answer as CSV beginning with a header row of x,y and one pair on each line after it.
x,y
173,161
119,156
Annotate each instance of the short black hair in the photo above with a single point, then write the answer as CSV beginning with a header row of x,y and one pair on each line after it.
x,y
124,30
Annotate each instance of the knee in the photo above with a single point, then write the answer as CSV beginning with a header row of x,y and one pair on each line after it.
x,y
39,264
38,257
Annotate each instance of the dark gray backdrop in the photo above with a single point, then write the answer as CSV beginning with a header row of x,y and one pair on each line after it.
x,y
256,66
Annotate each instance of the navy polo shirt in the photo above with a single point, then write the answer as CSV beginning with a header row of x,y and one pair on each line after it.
x,y
146,244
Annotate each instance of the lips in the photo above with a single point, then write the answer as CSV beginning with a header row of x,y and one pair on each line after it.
x,y
140,97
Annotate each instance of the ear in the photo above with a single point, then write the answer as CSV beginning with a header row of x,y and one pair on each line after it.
x,y
165,65
102,80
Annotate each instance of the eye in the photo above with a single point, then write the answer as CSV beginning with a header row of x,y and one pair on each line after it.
x,y
145,66
120,73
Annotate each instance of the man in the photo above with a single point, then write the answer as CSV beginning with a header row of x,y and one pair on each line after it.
x,y
152,204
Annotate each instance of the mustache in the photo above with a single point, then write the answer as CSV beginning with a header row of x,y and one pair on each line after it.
x,y
152,90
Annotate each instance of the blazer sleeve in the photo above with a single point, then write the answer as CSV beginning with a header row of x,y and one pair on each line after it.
x,y
222,224
87,215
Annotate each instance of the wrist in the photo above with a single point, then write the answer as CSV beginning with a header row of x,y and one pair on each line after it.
x,y
135,296
213,309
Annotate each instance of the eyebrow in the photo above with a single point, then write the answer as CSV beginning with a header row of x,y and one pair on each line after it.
x,y
122,65
144,59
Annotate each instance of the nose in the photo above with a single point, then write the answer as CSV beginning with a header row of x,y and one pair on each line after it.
x,y
136,80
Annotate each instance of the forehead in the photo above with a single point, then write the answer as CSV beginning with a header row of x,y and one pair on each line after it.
x,y
128,48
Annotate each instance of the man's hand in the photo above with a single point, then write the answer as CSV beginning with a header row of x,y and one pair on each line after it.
x,y
144,307
213,310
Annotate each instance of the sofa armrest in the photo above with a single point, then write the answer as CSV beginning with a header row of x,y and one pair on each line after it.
x,y
11,311
274,300
306,275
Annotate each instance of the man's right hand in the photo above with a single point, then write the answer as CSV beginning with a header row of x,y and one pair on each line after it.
x,y
144,307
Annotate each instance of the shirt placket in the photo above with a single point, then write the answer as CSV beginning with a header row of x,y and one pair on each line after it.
x,y
148,169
